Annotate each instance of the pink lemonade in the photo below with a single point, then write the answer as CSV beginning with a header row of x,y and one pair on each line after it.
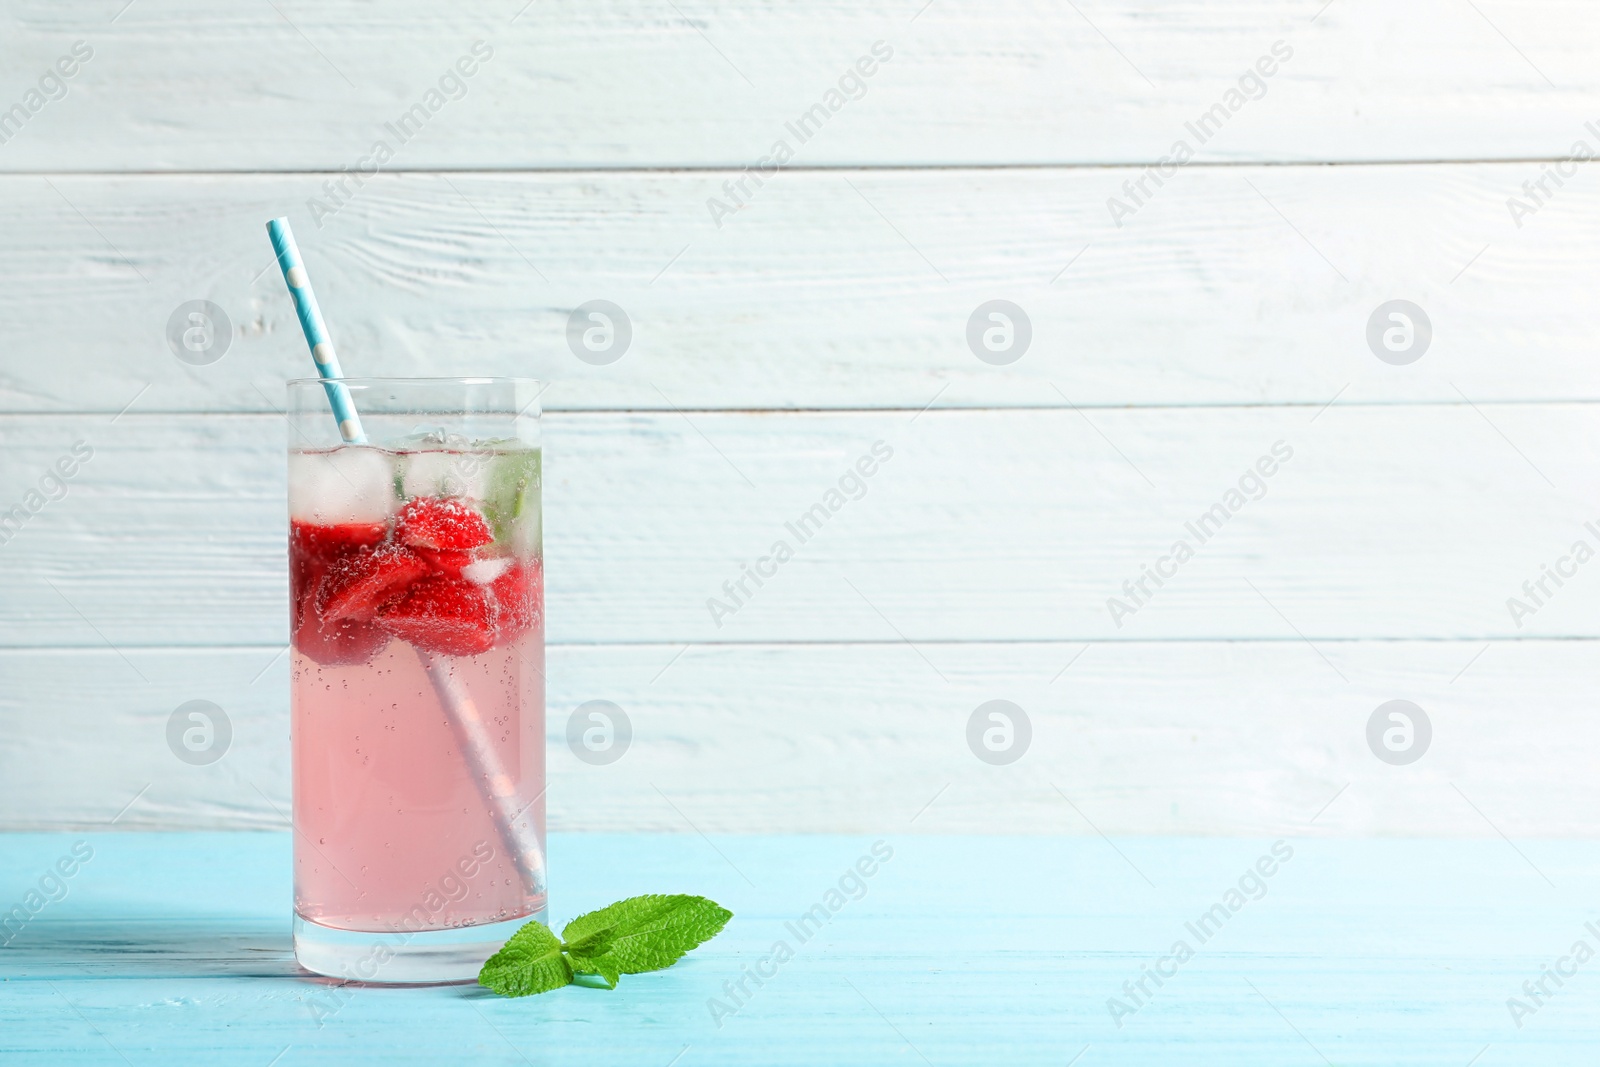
x,y
417,704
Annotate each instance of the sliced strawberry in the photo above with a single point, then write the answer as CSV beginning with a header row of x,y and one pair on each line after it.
x,y
356,586
309,541
313,549
517,600
442,614
339,643
442,522
446,560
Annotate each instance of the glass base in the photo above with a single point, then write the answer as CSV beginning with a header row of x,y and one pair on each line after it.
x,y
450,955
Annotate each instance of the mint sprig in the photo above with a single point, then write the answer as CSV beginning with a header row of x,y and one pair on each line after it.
x,y
531,962
644,933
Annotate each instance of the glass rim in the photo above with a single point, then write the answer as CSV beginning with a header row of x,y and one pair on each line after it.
x,y
466,379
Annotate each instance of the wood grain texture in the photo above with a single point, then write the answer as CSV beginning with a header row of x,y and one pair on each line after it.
x,y
1388,522
656,83
174,949
1127,738
770,349
1231,286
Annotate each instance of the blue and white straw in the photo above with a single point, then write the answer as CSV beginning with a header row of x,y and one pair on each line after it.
x,y
305,305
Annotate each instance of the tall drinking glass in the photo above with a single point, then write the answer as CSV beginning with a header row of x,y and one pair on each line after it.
x,y
416,584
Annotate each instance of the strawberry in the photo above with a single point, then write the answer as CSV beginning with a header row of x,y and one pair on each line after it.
x,y
313,549
516,597
356,586
310,541
338,643
442,614
442,523
446,560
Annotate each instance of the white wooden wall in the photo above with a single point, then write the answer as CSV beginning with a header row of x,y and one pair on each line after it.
x,y
1228,313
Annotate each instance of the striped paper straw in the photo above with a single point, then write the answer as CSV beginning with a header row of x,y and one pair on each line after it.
x,y
305,305
516,828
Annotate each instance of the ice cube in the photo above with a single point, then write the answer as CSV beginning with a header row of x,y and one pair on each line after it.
x,y
424,437
444,473
485,571
354,483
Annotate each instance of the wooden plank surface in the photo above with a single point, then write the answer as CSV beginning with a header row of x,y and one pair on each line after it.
x,y
1387,522
1230,286
181,86
1134,737
174,949
582,161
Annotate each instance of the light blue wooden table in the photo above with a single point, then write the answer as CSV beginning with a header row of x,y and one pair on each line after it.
x,y
174,949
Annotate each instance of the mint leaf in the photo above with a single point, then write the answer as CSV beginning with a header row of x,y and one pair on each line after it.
x,y
603,966
531,962
513,481
629,937
644,933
